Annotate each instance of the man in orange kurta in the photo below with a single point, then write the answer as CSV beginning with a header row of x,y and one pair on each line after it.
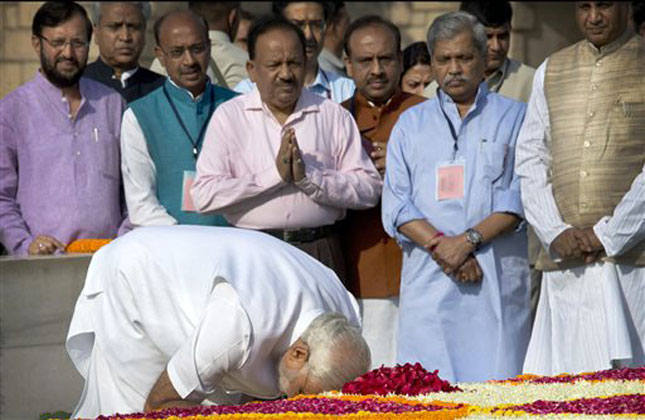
x,y
373,259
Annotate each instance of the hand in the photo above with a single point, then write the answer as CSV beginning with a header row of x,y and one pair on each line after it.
x,y
378,156
567,244
590,244
449,252
470,271
297,164
44,245
283,159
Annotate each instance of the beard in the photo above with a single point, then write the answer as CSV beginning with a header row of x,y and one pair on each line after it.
x,y
58,79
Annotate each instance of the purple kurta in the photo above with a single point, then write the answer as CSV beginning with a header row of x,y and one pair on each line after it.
x,y
59,176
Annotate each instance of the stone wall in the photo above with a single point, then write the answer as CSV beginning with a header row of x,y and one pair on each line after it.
x,y
539,28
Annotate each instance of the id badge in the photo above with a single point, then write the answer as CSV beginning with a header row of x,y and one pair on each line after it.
x,y
450,178
186,199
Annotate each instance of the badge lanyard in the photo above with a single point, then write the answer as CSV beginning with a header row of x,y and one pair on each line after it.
x,y
200,138
453,132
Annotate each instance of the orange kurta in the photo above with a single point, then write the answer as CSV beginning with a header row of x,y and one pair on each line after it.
x,y
373,259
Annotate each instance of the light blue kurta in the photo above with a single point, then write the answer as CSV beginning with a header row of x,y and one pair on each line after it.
x,y
470,332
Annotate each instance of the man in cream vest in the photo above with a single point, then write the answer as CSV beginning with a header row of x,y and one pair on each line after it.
x,y
581,160
172,315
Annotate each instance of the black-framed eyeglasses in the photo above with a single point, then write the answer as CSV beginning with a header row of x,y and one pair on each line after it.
x,y
196,49
315,25
59,44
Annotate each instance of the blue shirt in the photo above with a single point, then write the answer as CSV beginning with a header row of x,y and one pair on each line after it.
x,y
327,84
469,331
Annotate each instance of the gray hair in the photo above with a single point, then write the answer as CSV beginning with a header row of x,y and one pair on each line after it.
x,y
449,25
144,6
338,351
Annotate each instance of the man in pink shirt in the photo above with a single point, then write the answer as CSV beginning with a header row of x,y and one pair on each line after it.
x,y
282,159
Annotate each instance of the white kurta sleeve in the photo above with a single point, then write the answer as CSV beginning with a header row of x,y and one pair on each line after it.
x,y
219,344
533,164
624,229
140,177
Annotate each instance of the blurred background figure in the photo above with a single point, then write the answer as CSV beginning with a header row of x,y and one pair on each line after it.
x,y
331,57
227,66
417,73
120,34
241,28
638,15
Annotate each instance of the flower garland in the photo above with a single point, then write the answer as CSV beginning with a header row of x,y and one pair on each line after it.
x,y
597,395
86,246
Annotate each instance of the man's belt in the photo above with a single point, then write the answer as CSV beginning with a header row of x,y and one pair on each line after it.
x,y
302,235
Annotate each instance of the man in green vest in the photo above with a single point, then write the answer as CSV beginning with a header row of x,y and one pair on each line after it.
x,y
581,161
162,132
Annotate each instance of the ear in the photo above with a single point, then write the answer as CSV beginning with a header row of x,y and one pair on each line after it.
x,y
297,355
232,16
250,69
159,55
36,44
348,66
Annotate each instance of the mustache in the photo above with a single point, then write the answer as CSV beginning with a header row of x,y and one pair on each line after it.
x,y
311,44
190,69
457,78
63,59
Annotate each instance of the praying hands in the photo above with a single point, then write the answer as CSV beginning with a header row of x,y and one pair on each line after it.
x,y
289,159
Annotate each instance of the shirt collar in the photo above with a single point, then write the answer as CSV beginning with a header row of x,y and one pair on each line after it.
x,y
55,93
612,46
306,102
362,100
219,36
109,72
496,79
181,92
322,79
482,92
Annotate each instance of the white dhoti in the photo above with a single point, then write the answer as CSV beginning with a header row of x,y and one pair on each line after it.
x,y
588,318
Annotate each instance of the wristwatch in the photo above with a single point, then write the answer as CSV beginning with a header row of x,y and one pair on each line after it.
x,y
474,237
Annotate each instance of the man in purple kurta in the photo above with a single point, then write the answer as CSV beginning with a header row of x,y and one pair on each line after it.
x,y
59,144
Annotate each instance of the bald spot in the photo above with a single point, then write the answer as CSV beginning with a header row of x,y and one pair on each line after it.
x,y
184,19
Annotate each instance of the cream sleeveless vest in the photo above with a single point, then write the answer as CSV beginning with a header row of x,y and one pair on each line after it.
x,y
596,102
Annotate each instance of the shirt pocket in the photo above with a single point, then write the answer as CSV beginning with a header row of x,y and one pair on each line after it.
x,y
492,157
630,105
103,145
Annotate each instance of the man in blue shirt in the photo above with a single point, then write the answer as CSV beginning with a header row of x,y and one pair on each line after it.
x,y
452,201
311,17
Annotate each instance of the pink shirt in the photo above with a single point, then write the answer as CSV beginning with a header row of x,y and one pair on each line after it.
x,y
237,174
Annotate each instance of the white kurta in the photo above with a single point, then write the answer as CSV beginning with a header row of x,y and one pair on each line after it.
x,y
219,306
588,318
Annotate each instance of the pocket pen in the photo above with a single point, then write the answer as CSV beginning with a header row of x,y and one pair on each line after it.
x,y
96,134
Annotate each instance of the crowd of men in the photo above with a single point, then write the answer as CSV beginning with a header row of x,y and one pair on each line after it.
x,y
490,222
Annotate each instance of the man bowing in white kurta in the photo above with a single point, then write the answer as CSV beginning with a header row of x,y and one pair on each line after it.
x,y
170,316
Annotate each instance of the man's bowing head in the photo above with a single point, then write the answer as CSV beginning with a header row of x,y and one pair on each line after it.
x,y
328,354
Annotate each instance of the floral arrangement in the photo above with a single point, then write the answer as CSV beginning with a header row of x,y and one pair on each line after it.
x,y
411,392
405,379
86,246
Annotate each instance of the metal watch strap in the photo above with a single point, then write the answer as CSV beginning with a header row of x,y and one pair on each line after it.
x,y
474,237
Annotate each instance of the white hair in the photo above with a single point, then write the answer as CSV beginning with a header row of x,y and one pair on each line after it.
x,y
449,25
144,6
338,351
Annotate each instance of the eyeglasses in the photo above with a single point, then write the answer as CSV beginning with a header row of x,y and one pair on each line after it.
x,y
315,25
60,44
195,49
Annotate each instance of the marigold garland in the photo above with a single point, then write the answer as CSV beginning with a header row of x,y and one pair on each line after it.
x,y
86,246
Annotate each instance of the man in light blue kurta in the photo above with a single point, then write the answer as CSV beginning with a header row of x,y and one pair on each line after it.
x,y
464,302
